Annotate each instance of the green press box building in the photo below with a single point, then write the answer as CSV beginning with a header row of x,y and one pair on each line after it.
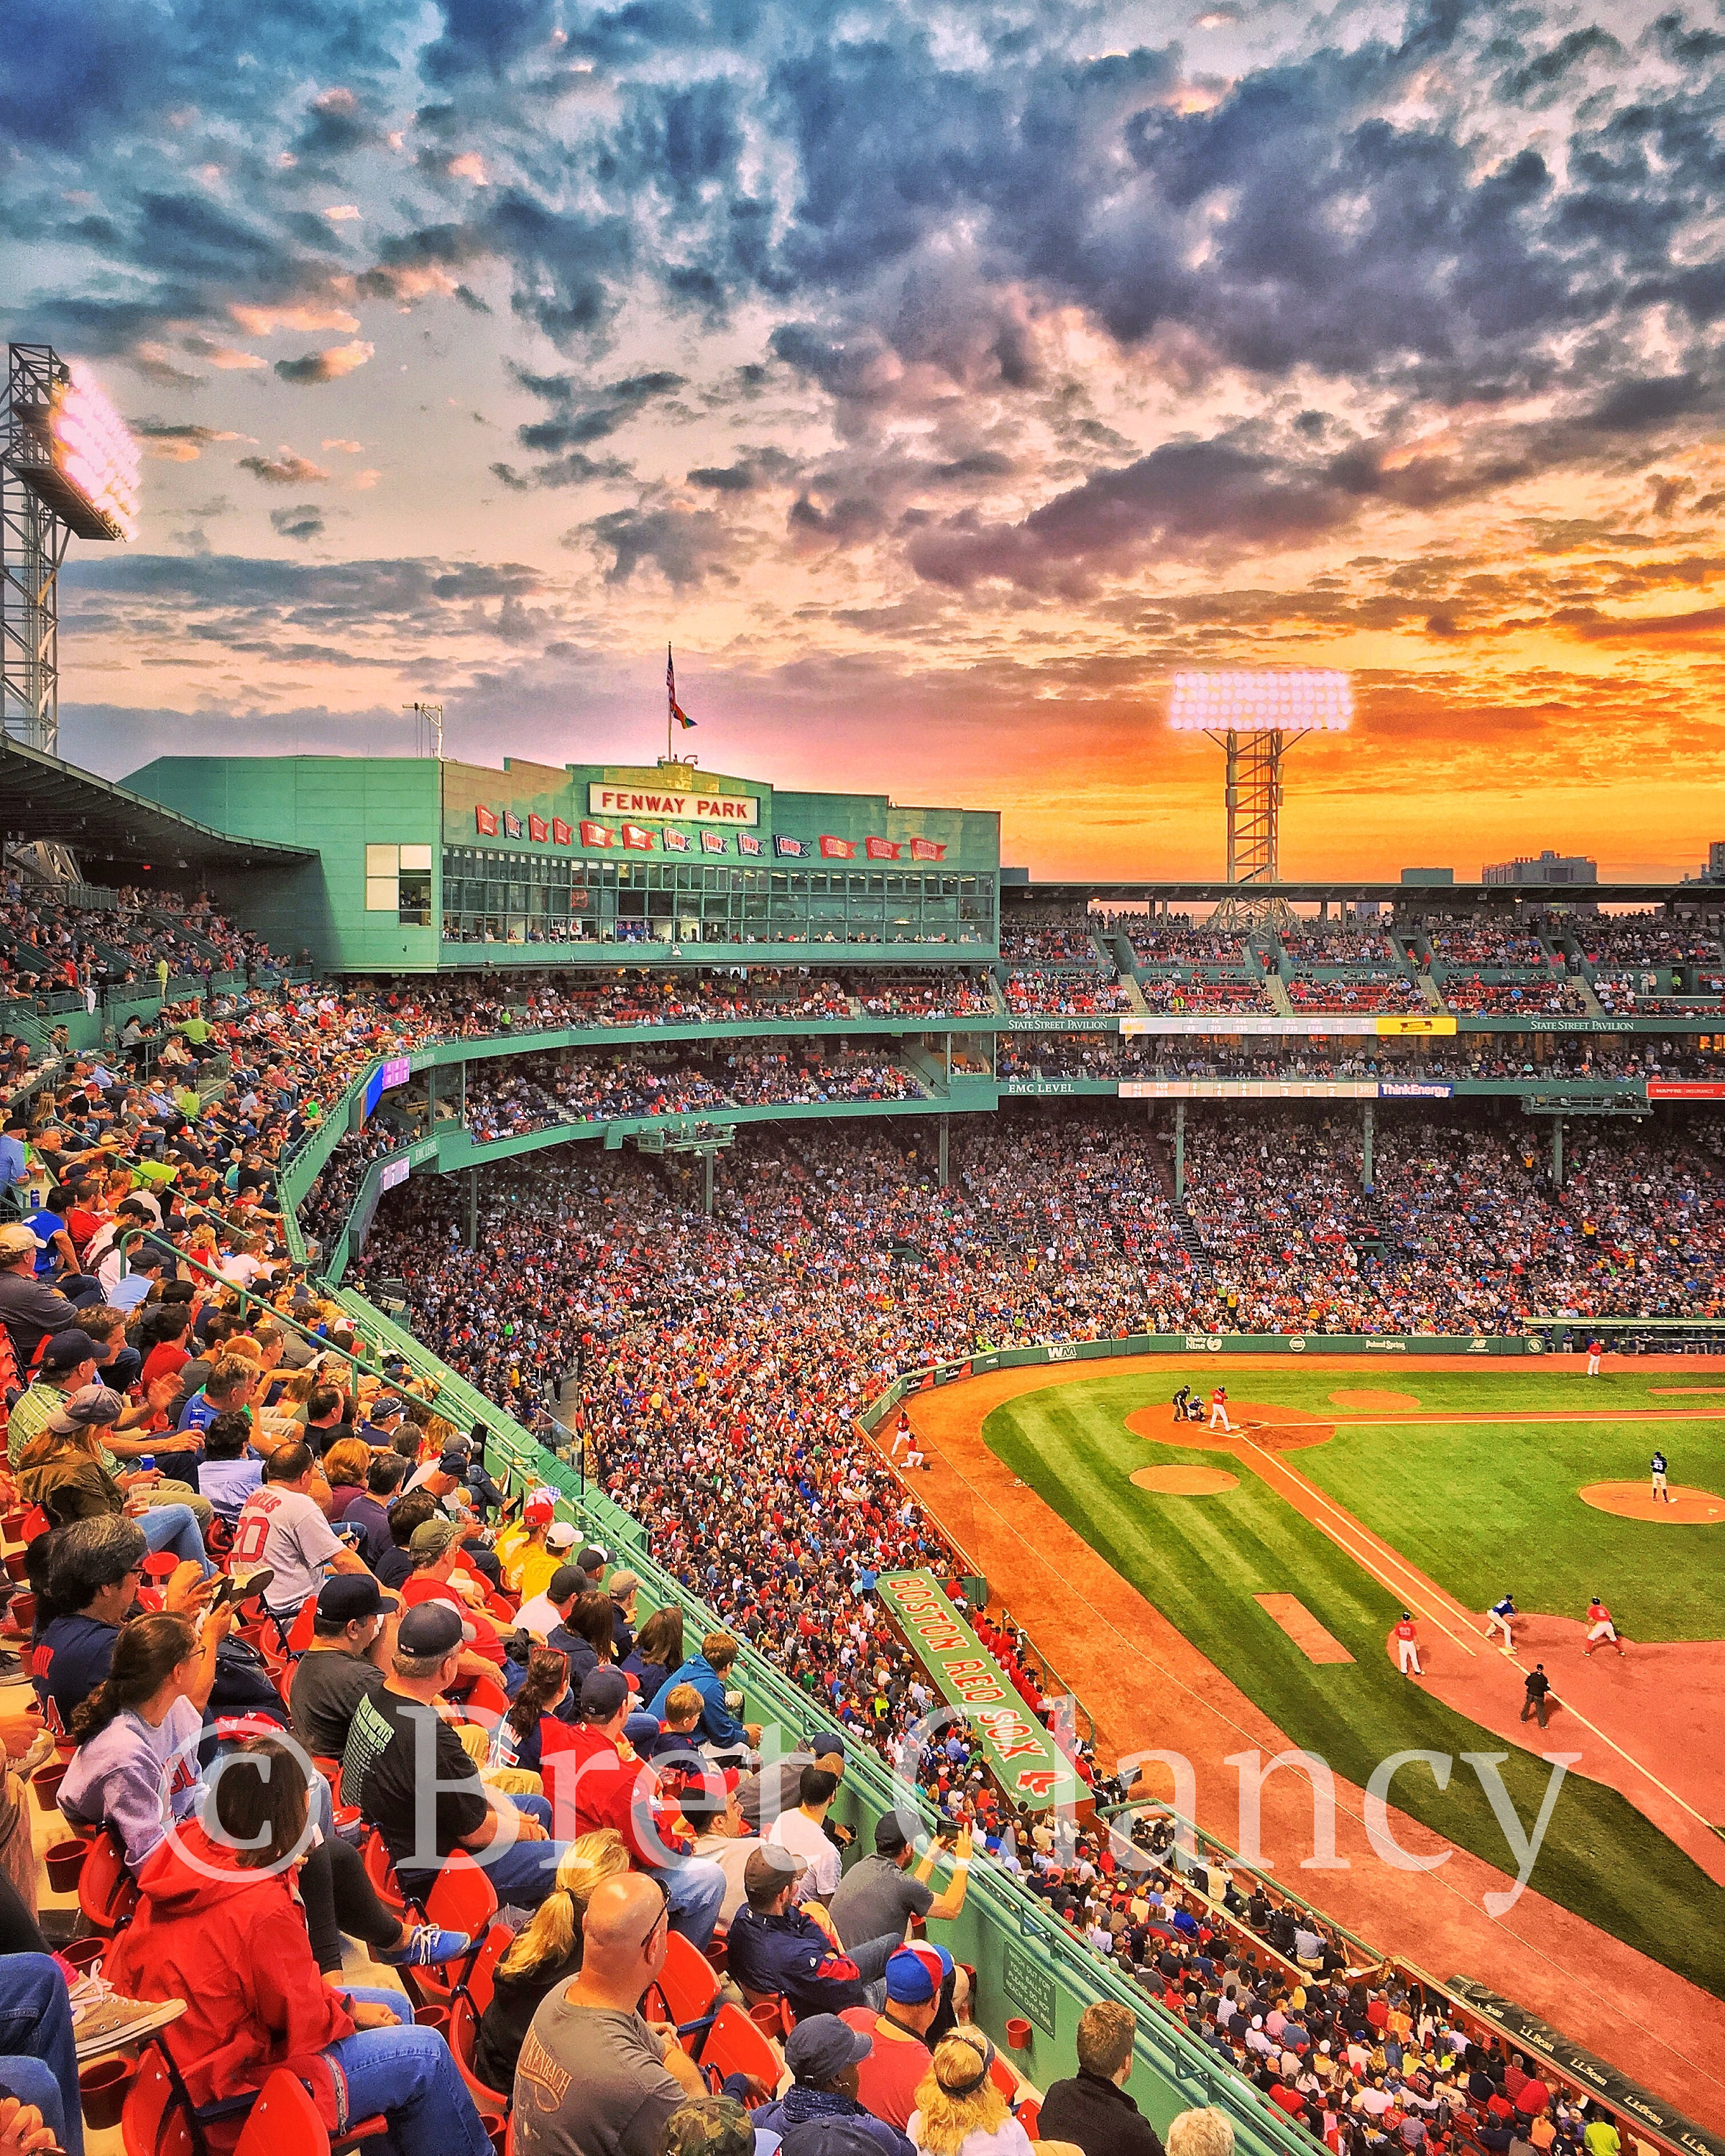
x,y
417,866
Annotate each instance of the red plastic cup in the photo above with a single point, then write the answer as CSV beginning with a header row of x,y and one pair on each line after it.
x,y
102,2090
65,1861
1018,2035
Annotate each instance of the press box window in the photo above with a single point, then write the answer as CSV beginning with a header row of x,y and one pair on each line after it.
x,y
399,881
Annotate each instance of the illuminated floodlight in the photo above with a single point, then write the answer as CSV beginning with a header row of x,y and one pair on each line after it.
x,y
1255,700
69,468
1255,715
87,472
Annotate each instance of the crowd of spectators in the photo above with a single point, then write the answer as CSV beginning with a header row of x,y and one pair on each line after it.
x,y
1641,939
1392,992
1177,997
1171,940
721,1361
1032,935
1473,946
1065,995
1336,943
1554,995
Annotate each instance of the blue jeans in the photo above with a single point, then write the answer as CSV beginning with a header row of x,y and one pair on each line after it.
x,y
39,2055
525,1871
173,1528
695,1893
409,2074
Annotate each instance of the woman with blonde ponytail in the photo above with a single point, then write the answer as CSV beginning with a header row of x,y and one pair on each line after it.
x,y
547,1954
959,2111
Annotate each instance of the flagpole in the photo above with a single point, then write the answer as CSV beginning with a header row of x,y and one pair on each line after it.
x,y
670,698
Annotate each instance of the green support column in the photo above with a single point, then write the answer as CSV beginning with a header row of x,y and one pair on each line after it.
x,y
1179,1152
944,1124
706,1181
1556,1153
472,1205
1368,1132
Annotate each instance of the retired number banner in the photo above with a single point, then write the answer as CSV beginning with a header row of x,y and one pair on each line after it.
x,y
1017,1749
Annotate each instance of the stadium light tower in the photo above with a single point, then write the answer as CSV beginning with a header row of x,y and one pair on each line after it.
x,y
69,468
1255,716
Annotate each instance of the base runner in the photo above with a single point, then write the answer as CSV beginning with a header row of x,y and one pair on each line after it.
x,y
1601,1631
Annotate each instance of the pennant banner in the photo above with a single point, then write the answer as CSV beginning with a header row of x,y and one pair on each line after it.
x,y
715,842
879,849
788,849
747,843
635,835
511,824
925,849
836,850
675,842
595,835
485,822
561,832
537,829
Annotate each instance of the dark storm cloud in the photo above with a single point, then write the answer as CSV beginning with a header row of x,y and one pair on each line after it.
x,y
686,547
304,522
250,602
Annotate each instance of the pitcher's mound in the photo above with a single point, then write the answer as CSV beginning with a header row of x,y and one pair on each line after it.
x,y
1185,1482
1633,1501
1383,1403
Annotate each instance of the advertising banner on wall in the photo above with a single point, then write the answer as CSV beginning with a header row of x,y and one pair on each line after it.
x,y
1016,1747
1371,1026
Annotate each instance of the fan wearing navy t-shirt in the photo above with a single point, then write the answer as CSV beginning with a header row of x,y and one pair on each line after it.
x,y
92,1574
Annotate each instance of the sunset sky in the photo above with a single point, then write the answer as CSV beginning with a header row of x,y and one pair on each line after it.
x,y
940,379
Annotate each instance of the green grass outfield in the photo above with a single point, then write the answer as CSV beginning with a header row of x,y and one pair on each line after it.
x,y
1438,1493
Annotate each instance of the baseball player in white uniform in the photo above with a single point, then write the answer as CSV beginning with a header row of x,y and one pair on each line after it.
x,y
1498,1618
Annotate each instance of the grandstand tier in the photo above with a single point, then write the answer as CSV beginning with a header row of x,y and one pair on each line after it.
x,y
437,1099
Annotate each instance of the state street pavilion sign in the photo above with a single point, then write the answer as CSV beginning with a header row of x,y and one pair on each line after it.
x,y
1016,1747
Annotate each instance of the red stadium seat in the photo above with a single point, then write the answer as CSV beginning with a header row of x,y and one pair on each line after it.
x,y
464,2036
156,2121
735,2045
683,1993
107,1893
481,1978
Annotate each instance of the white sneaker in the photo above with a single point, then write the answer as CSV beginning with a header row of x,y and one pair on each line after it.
x,y
103,2021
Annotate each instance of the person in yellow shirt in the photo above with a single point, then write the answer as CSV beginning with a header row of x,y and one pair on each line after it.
x,y
514,1544
539,1563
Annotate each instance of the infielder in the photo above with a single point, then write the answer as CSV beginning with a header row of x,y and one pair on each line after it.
x,y
1661,1495
1407,1647
1219,1408
1601,1631
901,1435
1497,1619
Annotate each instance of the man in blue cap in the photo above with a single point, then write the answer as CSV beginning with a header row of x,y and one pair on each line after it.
x,y
887,2078
826,2057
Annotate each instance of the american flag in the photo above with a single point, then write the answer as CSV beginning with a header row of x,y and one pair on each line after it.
x,y
677,712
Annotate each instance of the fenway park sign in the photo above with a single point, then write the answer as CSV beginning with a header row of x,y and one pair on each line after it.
x,y
1017,1749
659,802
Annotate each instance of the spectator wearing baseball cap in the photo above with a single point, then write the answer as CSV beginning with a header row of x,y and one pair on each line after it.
x,y
916,1981
541,1616
528,1533
31,1309
405,1766
774,1948
435,1550
61,1469
882,1892
344,1663
601,1782
709,1803
775,1787
827,2055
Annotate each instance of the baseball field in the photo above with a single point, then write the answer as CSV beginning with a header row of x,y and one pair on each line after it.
x,y
1285,1554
